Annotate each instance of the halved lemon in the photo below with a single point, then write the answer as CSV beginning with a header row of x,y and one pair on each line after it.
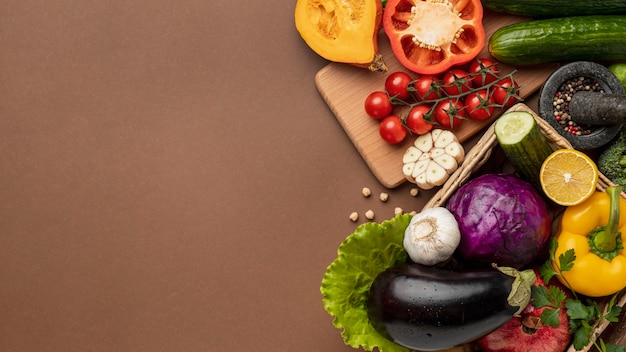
x,y
568,177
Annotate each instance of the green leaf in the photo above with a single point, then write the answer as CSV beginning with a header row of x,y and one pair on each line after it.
x,y
613,314
539,295
550,317
546,271
609,347
582,335
547,296
601,345
594,309
553,243
557,296
370,250
574,325
612,300
566,260
552,298
577,310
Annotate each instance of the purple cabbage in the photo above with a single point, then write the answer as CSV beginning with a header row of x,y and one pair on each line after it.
x,y
502,219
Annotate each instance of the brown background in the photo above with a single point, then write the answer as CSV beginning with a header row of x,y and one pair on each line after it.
x,y
170,179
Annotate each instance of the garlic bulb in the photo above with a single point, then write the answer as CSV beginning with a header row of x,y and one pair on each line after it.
x,y
432,236
432,158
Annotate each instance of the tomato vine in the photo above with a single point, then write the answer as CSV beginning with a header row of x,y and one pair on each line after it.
x,y
471,92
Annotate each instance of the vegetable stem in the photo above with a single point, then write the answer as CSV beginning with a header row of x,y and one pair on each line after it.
x,y
459,82
605,240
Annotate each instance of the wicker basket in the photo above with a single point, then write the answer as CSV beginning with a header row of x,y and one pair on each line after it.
x,y
483,153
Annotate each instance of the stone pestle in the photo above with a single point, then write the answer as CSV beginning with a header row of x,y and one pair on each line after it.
x,y
596,108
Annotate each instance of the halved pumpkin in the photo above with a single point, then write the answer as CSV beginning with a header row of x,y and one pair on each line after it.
x,y
342,31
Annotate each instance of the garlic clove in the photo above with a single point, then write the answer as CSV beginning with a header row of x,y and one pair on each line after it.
x,y
456,151
436,152
424,142
407,170
435,174
436,132
422,182
420,167
447,162
444,139
411,155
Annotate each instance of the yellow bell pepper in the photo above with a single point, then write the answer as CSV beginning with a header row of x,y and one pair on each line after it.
x,y
593,230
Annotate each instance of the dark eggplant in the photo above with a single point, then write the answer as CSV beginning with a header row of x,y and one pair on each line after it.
x,y
429,308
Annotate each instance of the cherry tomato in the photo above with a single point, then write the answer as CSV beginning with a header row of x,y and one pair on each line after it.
x,y
416,122
397,84
456,82
484,71
427,87
479,105
505,92
392,130
450,113
377,105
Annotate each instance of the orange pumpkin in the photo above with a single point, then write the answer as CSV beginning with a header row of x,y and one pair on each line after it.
x,y
342,31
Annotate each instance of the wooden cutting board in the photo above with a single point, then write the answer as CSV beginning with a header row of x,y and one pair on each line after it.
x,y
344,88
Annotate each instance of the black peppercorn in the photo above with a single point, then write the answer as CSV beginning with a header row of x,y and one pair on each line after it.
x,y
561,103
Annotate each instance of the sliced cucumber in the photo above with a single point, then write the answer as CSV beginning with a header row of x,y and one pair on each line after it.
x,y
523,144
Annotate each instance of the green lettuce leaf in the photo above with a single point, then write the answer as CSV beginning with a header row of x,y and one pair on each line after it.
x,y
370,250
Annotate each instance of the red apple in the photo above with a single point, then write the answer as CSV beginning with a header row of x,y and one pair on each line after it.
x,y
527,333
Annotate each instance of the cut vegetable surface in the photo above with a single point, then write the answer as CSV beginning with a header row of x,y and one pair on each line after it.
x,y
523,143
345,32
432,158
568,177
430,36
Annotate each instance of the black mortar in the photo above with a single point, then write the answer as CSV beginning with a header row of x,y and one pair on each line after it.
x,y
595,108
598,135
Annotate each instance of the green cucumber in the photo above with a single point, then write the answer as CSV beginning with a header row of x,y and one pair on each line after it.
x,y
585,38
524,145
557,8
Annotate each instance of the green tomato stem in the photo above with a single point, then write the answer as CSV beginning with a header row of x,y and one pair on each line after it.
x,y
458,81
